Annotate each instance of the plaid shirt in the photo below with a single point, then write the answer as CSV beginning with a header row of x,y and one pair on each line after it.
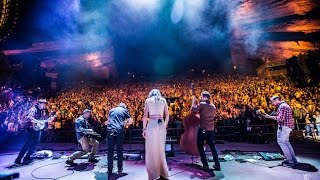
x,y
284,115
32,113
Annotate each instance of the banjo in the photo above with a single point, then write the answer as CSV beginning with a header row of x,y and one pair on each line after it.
x,y
38,125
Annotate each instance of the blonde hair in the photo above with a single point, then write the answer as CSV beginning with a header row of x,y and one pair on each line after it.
x,y
155,93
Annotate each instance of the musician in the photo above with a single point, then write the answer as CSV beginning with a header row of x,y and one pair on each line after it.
x,y
206,130
33,136
82,127
283,115
118,118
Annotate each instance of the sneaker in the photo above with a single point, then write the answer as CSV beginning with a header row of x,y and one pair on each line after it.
x,y
70,162
287,163
120,170
162,178
217,168
16,162
27,160
93,160
205,168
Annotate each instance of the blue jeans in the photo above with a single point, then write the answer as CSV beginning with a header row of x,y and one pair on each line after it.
x,y
115,137
283,141
308,129
318,128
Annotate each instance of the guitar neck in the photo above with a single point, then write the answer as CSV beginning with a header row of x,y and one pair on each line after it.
x,y
43,121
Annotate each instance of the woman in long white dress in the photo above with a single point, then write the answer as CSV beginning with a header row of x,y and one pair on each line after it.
x,y
155,134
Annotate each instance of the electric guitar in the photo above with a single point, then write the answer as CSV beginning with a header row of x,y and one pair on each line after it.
x,y
38,125
92,133
261,113
265,114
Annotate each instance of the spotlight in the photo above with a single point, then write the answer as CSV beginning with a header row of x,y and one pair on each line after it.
x,y
144,4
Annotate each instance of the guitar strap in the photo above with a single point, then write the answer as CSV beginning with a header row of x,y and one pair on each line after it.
x,y
278,106
280,127
88,124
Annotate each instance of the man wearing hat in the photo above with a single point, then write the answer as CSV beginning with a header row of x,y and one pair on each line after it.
x,y
82,127
283,115
118,118
33,136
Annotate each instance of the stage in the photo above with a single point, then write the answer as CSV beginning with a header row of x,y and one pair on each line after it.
x,y
180,166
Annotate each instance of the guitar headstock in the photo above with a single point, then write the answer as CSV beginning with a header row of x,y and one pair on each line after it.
x,y
260,113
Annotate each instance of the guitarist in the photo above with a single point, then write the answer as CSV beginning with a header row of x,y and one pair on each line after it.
x,y
118,118
82,130
207,129
33,136
283,115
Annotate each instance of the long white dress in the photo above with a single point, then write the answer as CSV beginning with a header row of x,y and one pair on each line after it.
x,y
155,140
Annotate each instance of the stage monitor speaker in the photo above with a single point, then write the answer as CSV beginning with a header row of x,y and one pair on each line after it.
x,y
169,150
131,157
271,156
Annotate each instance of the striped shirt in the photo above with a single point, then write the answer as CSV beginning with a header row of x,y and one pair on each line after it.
x,y
284,115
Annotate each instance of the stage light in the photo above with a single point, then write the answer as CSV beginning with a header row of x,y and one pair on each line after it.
x,y
194,9
177,11
144,4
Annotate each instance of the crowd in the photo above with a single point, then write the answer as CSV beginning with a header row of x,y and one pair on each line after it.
x,y
237,97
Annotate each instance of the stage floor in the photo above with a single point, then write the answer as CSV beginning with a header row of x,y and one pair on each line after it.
x,y
180,167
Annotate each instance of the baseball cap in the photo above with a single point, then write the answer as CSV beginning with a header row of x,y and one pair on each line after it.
x,y
122,105
42,101
86,110
274,97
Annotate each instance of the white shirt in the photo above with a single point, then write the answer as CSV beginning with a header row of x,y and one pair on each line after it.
x,y
317,118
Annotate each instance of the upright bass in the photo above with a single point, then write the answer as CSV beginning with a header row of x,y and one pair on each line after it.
x,y
188,140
